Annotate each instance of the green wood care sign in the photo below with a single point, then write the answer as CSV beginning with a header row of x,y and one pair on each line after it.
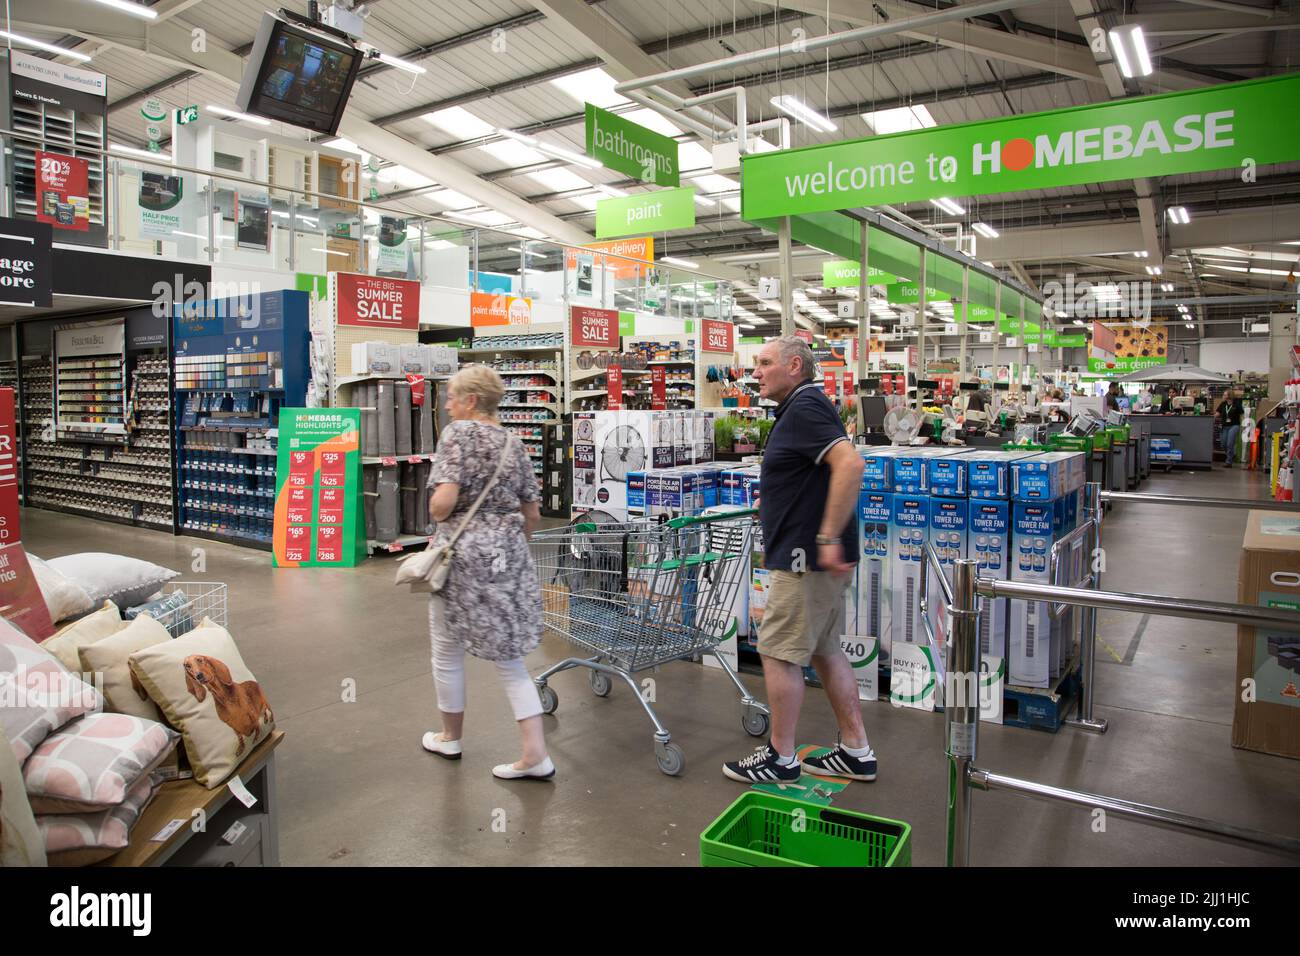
x,y
1236,125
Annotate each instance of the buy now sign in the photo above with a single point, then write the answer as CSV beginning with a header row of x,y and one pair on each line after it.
x,y
1219,127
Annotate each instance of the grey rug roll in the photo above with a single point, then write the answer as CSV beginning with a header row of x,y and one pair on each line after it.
x,y
425,412
410,500
422,496
403,417
370,484
386,522
387,425
368,395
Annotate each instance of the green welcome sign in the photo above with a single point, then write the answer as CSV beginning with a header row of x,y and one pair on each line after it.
x,y
845,273
1218,127
639,152
657,211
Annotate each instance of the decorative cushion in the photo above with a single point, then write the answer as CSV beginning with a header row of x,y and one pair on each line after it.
x,y
94,762
113,577
38,695
64,598
67,643
20,840
80,839
122,692
200,682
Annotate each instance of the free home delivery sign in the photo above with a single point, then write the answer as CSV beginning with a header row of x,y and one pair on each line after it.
x,y
1234,125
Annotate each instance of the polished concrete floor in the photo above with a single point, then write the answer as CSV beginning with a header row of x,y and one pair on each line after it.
x,y
356,788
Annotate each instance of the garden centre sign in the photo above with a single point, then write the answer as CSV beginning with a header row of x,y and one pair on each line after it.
x,y
1233,125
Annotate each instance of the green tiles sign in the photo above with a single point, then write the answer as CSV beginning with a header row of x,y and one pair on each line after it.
x,y
844,274
639,152
1236,125
657,211
908,293
318,516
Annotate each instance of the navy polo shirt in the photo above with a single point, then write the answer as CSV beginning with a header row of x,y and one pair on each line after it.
x,y
795,479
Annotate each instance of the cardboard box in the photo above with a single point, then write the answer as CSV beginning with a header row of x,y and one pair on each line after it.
x,y
1033,533
990,545
441,359
377,358
867,599
988,473
913,468
1050,475
909,518
1268,660
414,360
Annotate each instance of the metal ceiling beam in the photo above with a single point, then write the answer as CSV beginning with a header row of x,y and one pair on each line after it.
x,y
1187,23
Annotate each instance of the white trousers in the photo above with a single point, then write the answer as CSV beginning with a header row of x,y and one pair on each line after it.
x,y
449,671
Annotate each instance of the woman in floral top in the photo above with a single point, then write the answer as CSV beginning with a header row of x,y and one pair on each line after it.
x,y
491,605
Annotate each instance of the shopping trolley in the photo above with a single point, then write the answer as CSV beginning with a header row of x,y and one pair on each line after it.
x,y
638,594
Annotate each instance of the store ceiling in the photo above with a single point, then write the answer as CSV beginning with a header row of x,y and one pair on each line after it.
x,y
528,66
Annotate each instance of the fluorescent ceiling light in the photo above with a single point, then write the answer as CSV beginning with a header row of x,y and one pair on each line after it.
x,y
513,153
397,175
488,217
1141,255
557,151
797,108
745,327
1166,287
450,199
593,86
899,120
459,122
397,63
235,114
1129,47
134,9
559,180
532,252
329,252
684,263
1153,270
307,219
42,45
1080,322
528,232
985,230
132,151
1178,215
948,206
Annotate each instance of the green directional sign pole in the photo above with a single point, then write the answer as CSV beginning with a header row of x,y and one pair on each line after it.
x,y
639,152
657,211
1236,125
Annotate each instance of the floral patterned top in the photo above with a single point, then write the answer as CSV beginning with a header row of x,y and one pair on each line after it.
x,y
492,598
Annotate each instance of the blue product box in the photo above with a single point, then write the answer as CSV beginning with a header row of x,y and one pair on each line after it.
x,y
949,525
912,469
738,486
1046,476
948,477
867,600
989,543
878,467
988,473
636,491
1034,530
909,519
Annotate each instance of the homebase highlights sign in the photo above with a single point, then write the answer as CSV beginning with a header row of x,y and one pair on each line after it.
x,y
1235,125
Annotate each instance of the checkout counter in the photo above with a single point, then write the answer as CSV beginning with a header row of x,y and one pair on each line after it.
x,y
1193,435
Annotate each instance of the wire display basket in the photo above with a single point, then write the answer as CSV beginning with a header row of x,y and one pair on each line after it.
x,y
189,602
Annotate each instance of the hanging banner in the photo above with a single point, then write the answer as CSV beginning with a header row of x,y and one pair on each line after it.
x,y
593,328
828,383
658,211
845,274
658,387
631,149
1215,127
718,336
642,248
158,195
62,191
909,293
318,516
373,302
487,309
848,383
614,383
392,247
1136,348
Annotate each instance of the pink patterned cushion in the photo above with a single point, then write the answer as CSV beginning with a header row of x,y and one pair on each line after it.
x,y
79,839
38,695
93,763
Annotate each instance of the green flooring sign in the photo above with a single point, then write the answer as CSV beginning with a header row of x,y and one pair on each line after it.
x,y
907,293
658,211
1236,125
318,516
639,152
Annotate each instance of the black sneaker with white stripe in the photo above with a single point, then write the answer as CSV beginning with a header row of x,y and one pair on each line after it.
x,y
837,763
762,766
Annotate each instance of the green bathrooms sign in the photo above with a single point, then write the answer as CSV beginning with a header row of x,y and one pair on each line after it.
x,y
639,152
658,211
1237,125
844,273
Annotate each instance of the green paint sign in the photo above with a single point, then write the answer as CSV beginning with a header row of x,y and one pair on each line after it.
x,y
1120,365
318,516
639,152
845,273
657,211
907,293
1217,127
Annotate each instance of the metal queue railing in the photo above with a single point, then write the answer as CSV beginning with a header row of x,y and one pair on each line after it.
x,y
962,704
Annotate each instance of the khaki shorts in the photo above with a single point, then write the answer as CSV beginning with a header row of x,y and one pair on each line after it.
x,y
804,616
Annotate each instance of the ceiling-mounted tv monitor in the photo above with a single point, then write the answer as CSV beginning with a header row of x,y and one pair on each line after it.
x,y
298,75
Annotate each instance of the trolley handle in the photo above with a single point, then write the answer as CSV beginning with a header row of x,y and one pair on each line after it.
x,y
689,521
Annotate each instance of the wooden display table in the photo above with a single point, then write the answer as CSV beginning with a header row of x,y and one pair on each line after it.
x,y
257,843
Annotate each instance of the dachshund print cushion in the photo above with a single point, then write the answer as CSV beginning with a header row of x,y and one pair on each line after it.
x,y
122,692
94,762
66,644
20,840
200,682
39,694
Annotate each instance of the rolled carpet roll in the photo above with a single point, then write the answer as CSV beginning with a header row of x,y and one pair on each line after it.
x,y
387,423
422,482
410,500
425,412
402,391
368,396
386,521
369,484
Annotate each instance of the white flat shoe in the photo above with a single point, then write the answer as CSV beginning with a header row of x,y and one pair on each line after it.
x,y
542,771
443,748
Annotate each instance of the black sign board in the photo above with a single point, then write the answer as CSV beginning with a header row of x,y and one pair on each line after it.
x,y
144,330
26,263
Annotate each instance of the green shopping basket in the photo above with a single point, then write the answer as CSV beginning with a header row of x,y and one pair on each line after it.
x,y
761,829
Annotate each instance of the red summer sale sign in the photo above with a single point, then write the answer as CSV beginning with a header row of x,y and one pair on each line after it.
x,y
593,328
372,302
20,595
718,336
62,191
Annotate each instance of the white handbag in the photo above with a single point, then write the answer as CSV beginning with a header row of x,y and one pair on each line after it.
x,y
426,571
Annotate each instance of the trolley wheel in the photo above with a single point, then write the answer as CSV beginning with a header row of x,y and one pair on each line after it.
x,y
755,722
550,699
670,757
601,684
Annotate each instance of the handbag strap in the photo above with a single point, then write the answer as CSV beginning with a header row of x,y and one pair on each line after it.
x,y
469,515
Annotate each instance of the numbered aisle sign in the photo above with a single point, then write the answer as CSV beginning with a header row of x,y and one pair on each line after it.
x,y
318,516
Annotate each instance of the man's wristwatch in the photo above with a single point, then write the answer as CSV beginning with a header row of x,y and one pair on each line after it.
x,y
827,539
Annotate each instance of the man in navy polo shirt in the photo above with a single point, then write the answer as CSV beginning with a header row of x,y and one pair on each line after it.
x,y
808,495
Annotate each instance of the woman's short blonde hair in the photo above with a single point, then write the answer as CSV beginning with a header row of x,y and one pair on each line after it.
x,y
483,382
